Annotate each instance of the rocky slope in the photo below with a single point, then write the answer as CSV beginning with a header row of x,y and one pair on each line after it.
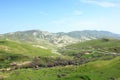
x,y
60,39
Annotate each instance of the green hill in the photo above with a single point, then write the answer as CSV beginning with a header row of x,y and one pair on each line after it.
x,y
98,70
105,46
90,60
24,49
54,40
11,51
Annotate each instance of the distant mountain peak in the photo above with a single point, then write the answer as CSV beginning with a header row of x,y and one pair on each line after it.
x,y
59,39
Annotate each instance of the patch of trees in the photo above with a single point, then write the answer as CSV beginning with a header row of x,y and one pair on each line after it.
x,y
84,77
7,58
39,62
105,39
46,62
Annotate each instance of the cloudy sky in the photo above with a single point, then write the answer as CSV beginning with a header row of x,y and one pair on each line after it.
x,y
59,15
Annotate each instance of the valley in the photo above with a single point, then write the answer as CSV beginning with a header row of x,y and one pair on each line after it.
x,y
77,55
59,39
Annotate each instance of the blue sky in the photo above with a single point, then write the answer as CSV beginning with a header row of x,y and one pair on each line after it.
x,y
59,15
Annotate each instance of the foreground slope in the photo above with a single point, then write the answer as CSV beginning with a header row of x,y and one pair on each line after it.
x,y
98,70
11,51
24,49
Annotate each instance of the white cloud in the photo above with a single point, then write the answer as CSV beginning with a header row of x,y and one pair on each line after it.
x,y
101,3
77,12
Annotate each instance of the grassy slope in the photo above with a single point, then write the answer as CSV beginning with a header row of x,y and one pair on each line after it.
x,y
24,49
97,43
98,70
11,51
100,45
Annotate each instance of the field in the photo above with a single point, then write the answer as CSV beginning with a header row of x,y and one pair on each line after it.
x,y
102,46
98,70
91,60
11,51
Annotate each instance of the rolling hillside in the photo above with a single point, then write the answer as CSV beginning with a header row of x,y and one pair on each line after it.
x,y
60,39
84,58
43,38
22,48
102,46
11,51
92,34
98,70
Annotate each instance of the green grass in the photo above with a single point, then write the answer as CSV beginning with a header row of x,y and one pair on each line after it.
x,y
7,58
92,46
11,51
98,70
98,42
104,68
24,49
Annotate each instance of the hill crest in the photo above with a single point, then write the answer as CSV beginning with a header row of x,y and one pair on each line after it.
x,y
59,39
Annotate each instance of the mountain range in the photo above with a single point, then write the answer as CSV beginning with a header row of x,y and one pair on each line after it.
x,y
76,55
46,39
